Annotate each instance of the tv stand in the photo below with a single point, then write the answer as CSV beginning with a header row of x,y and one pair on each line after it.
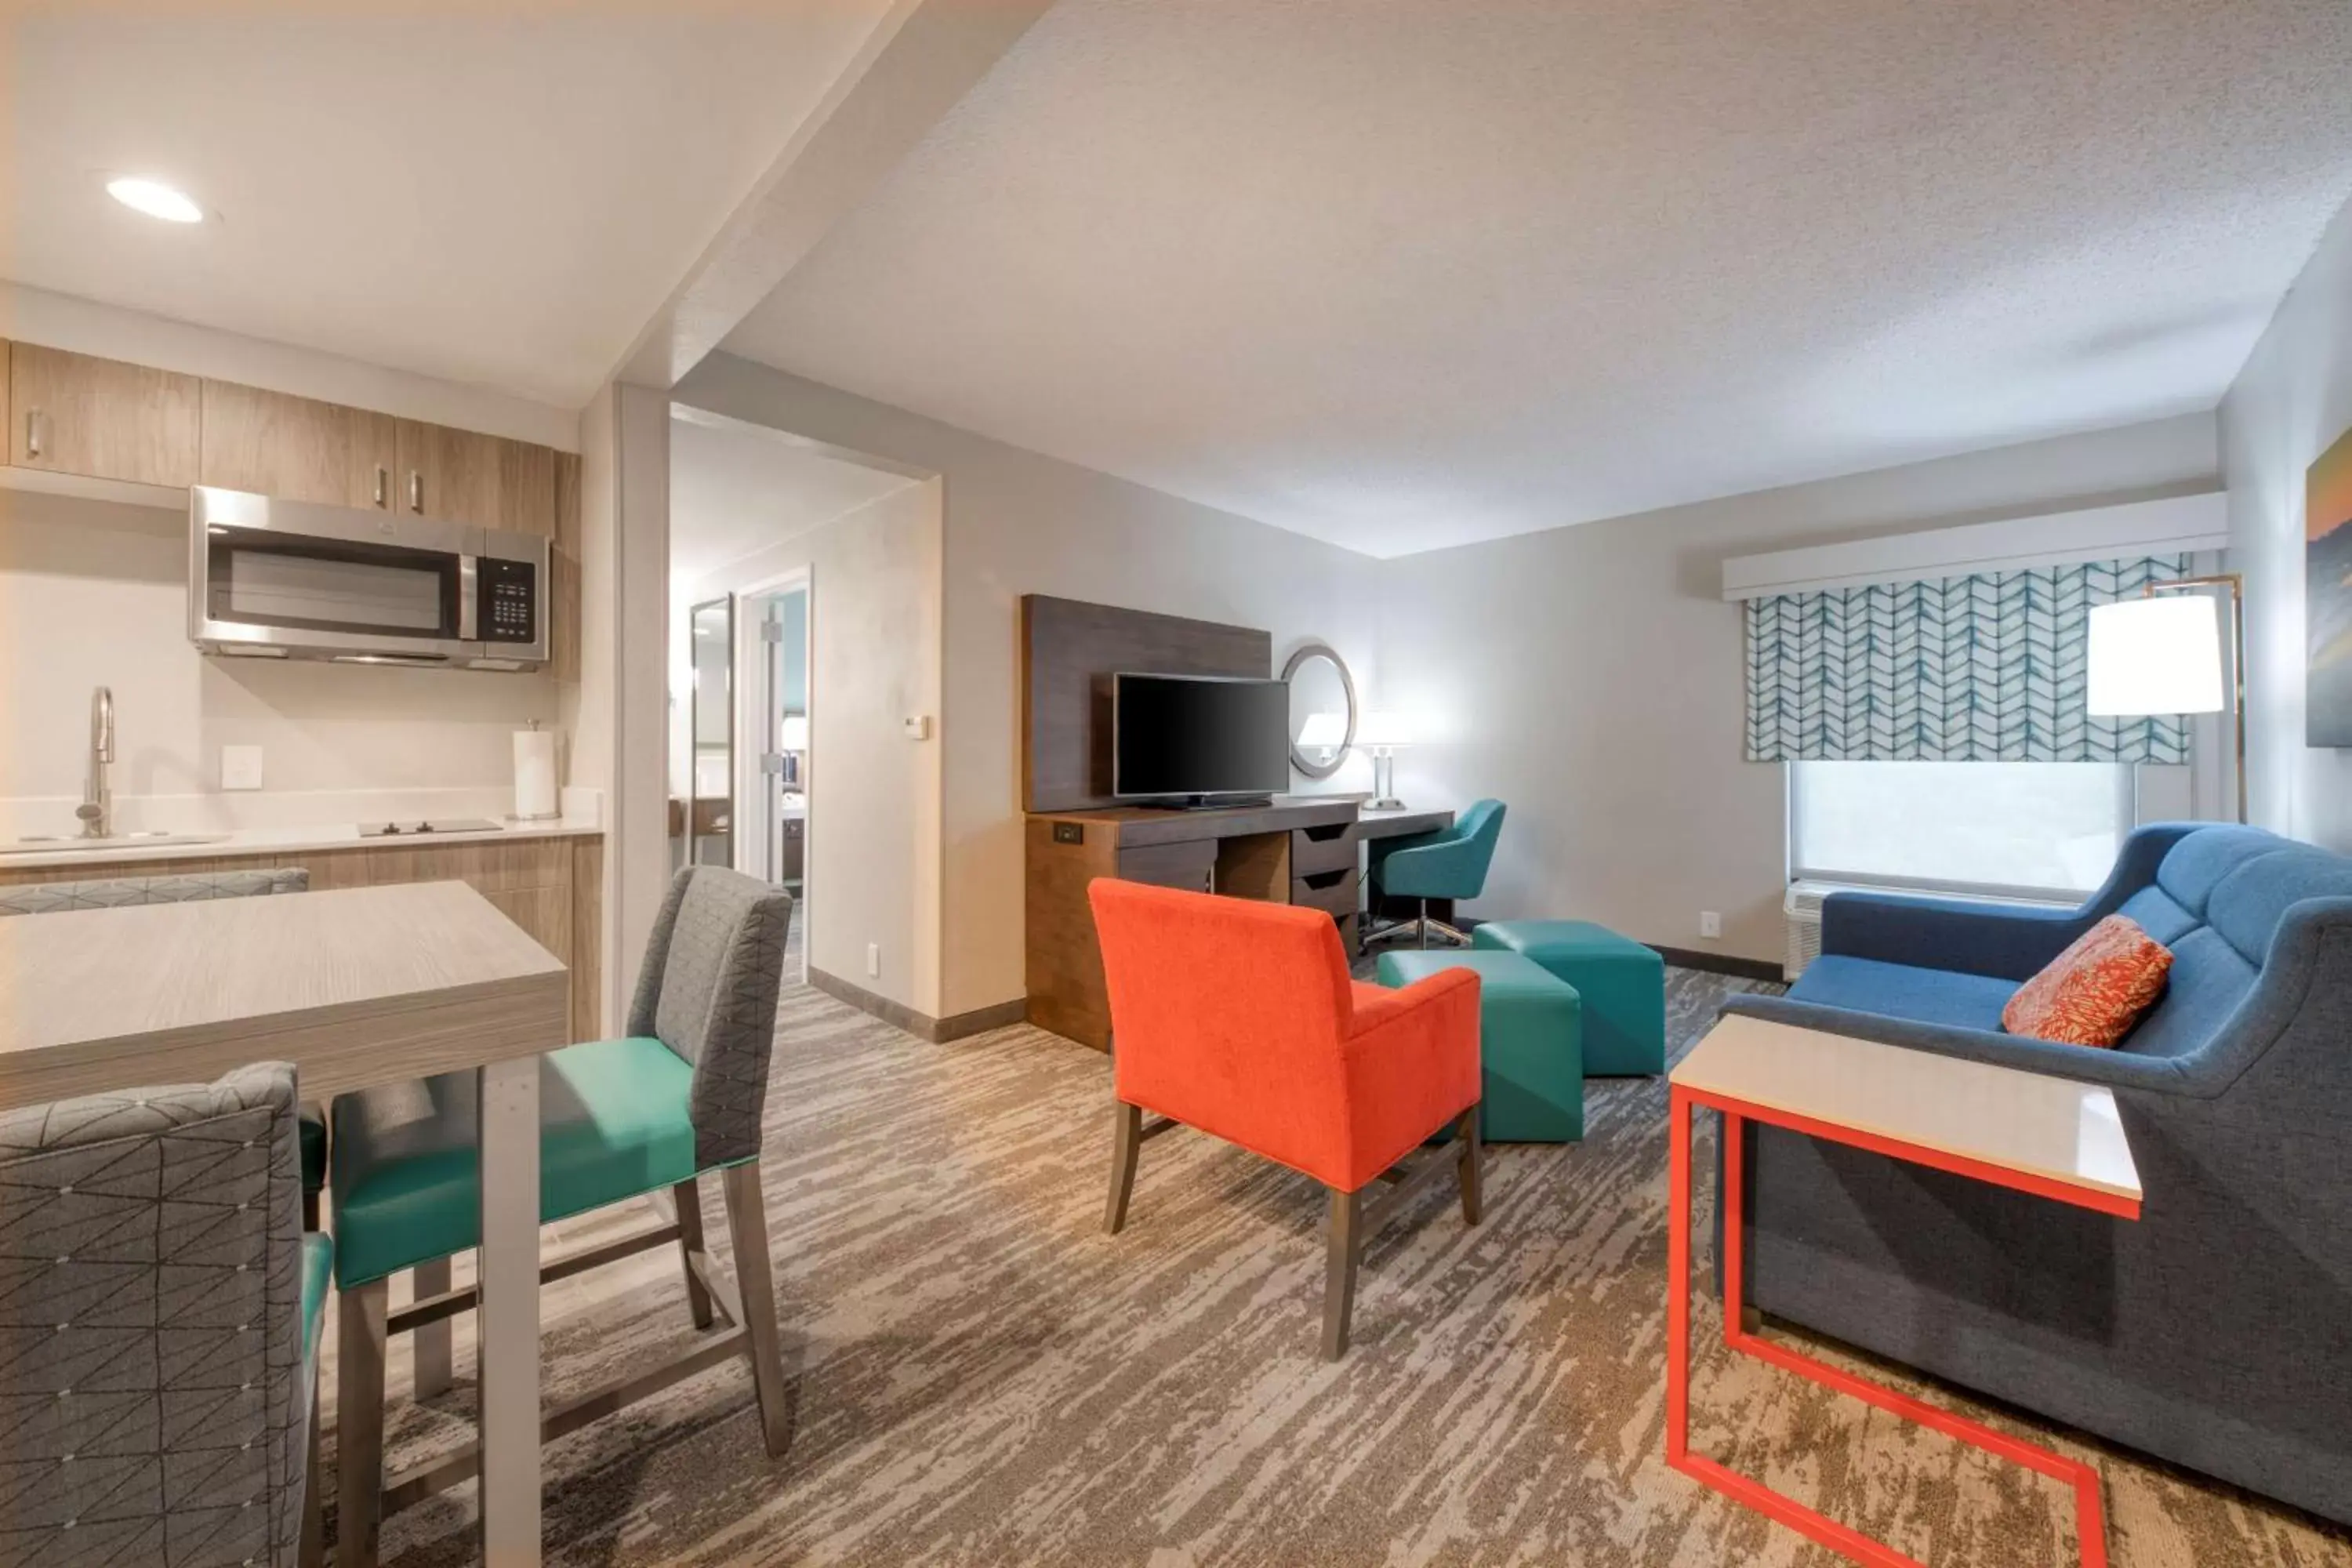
x,y
1211,802
1286,851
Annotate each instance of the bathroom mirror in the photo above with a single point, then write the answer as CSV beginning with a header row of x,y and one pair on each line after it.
x,y
1322,710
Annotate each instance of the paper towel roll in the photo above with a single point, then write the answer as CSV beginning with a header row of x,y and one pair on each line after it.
x,y
534,764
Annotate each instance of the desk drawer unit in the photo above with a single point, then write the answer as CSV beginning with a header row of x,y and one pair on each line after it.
x,y
1333,892
1314,850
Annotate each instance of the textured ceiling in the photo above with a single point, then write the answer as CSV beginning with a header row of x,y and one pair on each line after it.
x,y
499,190
733,491
1412,273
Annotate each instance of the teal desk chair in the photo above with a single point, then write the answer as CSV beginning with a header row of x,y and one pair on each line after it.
x,y
1450,863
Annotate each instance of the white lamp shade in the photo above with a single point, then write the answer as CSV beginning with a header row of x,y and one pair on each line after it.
x,y
1325,730
1384,730
2156,656
792,734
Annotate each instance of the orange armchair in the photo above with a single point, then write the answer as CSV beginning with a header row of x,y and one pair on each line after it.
x,y
1238,1018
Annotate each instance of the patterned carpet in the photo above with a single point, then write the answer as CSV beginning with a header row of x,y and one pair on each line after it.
x,y
982,1377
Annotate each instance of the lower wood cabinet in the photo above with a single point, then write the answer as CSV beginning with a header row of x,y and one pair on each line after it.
x,y
551,887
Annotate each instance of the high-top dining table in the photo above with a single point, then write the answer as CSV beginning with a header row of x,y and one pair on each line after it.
x,y
355,987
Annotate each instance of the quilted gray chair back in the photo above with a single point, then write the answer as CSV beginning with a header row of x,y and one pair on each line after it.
x,y
707,991
51,897
152,1408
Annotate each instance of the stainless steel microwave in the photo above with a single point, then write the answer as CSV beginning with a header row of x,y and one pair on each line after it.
x,y
276,579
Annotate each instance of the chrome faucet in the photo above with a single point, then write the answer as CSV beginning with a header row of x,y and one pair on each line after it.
x,y
97,807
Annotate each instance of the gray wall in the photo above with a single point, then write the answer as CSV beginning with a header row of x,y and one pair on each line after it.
x,y
2289,405
1018,522
1590,677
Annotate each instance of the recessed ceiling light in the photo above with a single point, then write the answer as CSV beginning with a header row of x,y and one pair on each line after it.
x,y
156,199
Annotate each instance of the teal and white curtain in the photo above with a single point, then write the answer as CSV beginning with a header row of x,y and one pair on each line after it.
x,y
1982,669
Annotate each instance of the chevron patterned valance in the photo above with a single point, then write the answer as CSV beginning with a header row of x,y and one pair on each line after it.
x,y
1982,669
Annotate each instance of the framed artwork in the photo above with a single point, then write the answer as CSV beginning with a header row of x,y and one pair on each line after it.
x,y
2327,589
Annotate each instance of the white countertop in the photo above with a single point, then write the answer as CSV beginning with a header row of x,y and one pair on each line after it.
x,y
284,841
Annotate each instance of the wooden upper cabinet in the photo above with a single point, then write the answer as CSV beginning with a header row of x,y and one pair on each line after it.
x,y
462,476
72,414
297,448
527,487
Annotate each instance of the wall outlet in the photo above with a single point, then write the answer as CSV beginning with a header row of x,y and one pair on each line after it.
x,y
872,959
240,767
1709,923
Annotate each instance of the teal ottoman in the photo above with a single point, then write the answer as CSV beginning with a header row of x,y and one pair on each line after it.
x,y
1529,1043
1624,985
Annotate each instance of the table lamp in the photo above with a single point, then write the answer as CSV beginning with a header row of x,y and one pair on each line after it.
x,y
1382,733
2160,655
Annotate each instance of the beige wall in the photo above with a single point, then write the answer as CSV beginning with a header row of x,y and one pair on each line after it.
x,y
1590,678
2289,405
875,628
1018,522
92,592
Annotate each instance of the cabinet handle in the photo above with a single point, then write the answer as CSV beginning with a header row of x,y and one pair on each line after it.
x,y
383,486
32,432
415,490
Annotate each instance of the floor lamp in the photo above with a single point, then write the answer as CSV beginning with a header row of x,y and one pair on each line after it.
x,y
2158,654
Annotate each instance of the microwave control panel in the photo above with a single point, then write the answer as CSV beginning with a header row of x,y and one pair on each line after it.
x,y
509,601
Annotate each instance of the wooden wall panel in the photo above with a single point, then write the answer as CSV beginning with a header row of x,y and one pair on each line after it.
x,y
1069,650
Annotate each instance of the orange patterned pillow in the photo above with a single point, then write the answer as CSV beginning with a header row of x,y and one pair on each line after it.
x,y
2092,994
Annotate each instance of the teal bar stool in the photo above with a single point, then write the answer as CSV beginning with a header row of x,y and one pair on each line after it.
x,y
176,1423
1450,863
681,1096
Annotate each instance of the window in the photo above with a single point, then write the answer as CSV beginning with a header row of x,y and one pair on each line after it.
x,y
2016,828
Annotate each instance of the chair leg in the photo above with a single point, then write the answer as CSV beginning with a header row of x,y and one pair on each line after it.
x,y
755,1285
1125,1139
435,1343
688,1198
1343,1250
313,1553
1421,926
359,1423
1474,1195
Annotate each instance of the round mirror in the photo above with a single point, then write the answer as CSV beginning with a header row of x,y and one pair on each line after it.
x,y
1322,710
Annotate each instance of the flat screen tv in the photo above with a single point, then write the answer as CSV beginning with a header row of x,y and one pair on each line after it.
x,y
1195,737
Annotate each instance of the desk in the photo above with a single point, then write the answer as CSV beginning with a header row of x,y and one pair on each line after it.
x,y
1297,849
355,987
2052,1137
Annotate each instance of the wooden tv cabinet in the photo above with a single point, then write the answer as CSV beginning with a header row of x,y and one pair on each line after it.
x,y
1291,852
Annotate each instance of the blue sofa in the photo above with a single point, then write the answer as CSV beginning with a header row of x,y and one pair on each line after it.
x,y
2216,1330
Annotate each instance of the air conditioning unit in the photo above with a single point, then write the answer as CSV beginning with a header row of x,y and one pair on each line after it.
x,y
1803,909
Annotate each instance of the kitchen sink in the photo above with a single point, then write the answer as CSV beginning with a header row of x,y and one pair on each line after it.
x,y
67,843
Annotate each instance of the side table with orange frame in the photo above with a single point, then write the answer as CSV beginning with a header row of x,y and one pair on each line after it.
x,y
2049,1136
